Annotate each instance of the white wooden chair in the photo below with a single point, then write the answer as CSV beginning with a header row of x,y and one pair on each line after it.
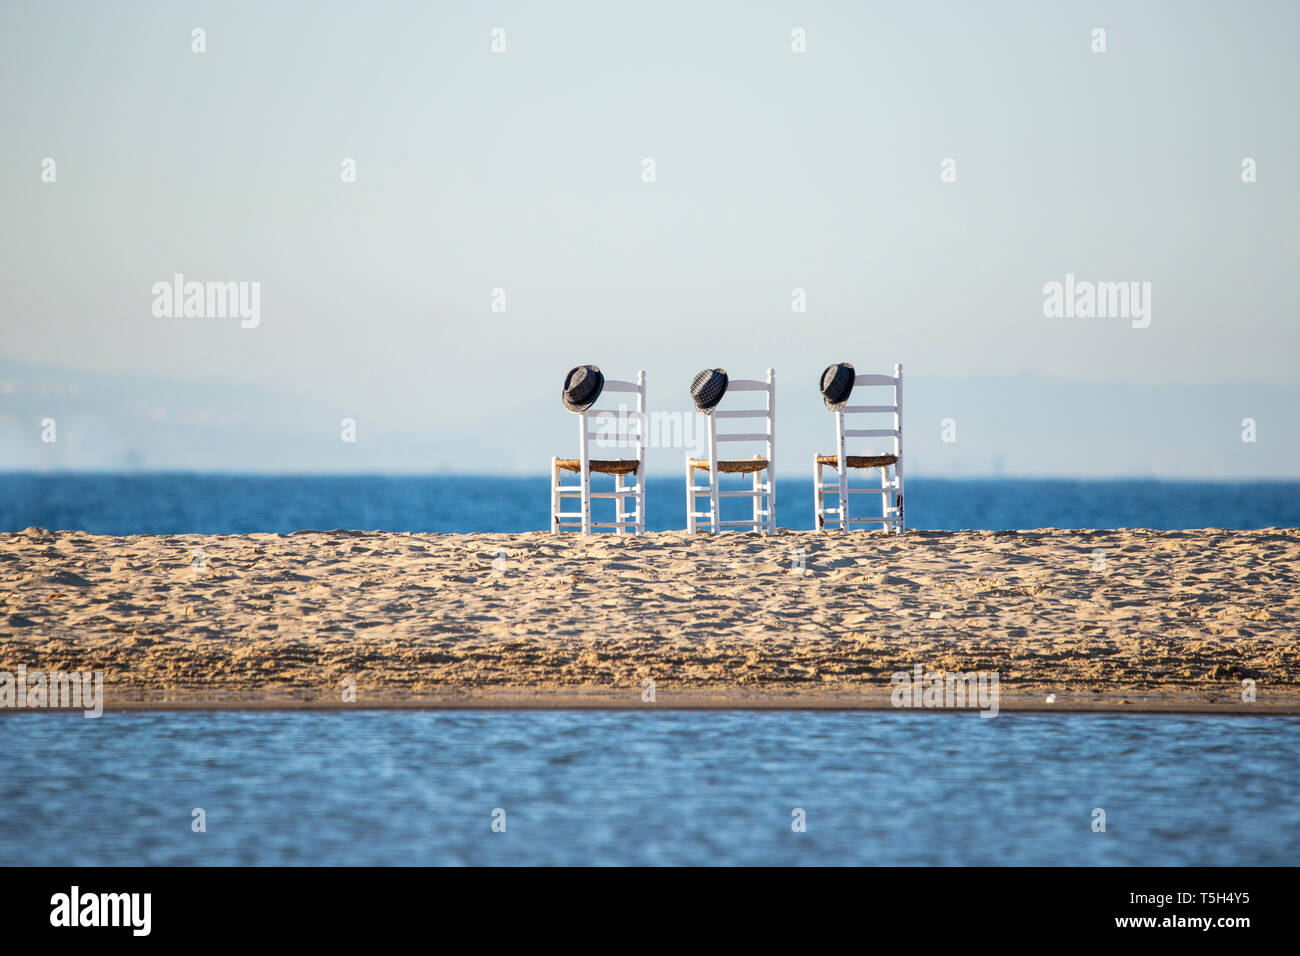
x,y
762,468
625,521
890,463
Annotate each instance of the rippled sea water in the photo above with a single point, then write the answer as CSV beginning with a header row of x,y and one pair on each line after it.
x,y
604,787
198,503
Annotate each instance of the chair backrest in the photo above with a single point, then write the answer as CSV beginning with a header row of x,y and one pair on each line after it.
x,y
871,415
616,427
764,417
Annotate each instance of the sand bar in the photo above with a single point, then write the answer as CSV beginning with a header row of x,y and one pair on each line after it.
x,y
1103,620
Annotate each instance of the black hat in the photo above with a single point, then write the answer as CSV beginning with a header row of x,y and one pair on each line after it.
x,y
582,386
707,389
837,383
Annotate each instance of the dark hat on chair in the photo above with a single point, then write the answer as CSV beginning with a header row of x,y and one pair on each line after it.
x,y
707,389
837,384
582,386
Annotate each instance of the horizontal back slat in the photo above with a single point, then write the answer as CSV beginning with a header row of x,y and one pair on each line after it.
x,y
622,438
875,380
742,413
869,409
615,386
746,385
870,432
722,437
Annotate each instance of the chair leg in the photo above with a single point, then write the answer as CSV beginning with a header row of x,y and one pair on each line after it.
x,y
771,499
844,497
640,500
690,497
555,497
885,509
618,505
898,496
585,474
756,485
715,513
819,497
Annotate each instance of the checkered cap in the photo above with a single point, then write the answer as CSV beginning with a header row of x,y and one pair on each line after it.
x,y
707,389
837,385
582,386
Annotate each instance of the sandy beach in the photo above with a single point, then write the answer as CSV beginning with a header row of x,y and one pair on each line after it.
x,y
1109,620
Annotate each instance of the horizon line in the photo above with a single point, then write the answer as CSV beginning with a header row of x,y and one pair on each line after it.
x,y
924,476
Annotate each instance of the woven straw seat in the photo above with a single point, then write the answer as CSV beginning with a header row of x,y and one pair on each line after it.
x,y
612,466
735,466
858,461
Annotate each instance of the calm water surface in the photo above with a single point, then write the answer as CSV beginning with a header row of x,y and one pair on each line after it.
x,y
420,787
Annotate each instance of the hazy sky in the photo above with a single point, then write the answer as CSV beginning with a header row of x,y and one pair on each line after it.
x,y
775,170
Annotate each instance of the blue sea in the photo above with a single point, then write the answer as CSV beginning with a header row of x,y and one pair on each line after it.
x,y
600,787
208,503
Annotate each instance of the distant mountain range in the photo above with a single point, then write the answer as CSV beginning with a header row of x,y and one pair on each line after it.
x,y
1023,426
